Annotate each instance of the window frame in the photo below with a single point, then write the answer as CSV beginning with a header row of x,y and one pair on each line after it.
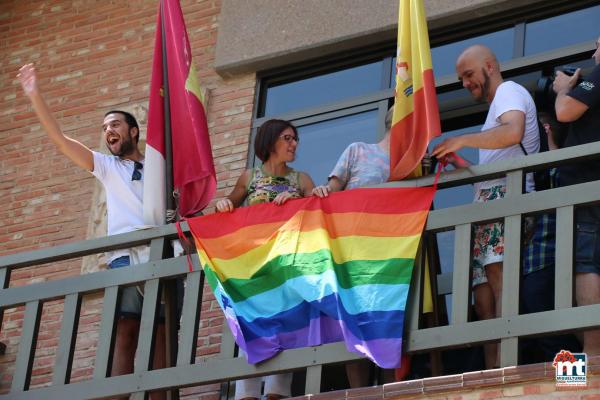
x,y
464,110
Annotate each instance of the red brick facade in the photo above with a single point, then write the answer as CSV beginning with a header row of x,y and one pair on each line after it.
x,y
92,56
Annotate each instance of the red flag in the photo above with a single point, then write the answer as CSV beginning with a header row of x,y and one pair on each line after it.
x,y
416,116
193,168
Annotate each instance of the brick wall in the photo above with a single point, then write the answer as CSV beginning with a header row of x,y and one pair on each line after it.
x,y
92,56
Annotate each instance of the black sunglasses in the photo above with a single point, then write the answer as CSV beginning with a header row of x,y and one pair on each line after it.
x,y
137,175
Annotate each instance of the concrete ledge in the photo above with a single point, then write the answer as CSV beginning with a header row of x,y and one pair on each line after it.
x,y
263,34
508,382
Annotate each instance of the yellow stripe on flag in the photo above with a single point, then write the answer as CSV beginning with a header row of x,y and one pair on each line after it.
x,y
343,249
413,56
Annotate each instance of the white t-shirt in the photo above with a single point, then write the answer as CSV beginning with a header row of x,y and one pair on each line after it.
x,y
511,96
123,196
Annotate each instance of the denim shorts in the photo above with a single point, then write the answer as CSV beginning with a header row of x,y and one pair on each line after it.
x,y
587,247
130,304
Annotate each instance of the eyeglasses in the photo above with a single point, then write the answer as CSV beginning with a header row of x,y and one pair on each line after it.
x,y
137,174
289,138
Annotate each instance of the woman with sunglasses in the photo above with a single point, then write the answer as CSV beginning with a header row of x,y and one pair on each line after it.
x,y
273,181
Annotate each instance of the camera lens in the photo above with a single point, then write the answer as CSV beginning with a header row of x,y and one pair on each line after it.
x,y
544,96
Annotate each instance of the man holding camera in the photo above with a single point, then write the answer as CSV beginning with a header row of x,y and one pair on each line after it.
x,y
578,103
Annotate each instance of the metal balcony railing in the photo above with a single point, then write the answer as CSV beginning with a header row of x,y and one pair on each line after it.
x,y
184,371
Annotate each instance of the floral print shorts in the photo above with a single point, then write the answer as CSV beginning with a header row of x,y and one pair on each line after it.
x,y
488,239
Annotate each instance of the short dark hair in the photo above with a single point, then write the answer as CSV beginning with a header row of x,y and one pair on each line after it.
x,y
129,118
268,134
559,130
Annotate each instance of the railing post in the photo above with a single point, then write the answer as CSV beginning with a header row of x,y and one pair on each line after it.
x,y
66,342
313,379
563,292
514,183
413,302
227,351
26,352
461,274
511,269
106,335
192,303
227,343
4,279
147,334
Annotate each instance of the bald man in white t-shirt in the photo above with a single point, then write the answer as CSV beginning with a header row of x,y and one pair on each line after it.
x,y
510,130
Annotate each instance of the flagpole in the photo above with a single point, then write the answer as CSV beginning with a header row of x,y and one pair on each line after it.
x,y
170,201
170,286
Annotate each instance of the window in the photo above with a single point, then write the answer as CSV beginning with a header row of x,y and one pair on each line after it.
x,y
562,30
323,89
444,57
321,143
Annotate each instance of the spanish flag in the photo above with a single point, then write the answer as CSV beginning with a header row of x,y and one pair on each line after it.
x,y
416,117
316,271
175,96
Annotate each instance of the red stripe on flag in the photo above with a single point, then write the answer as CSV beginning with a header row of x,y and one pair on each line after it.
x,y
411,135
395,201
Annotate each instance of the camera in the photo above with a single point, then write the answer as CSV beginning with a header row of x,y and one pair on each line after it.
x,y
544,95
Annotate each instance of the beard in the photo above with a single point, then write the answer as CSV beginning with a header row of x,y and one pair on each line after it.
x,y
125,148
484,88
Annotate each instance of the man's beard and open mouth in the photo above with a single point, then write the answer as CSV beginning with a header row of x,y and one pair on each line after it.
x,y
122,149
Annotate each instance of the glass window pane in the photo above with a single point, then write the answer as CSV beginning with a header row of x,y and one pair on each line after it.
x,y
324,89
321,144
562,30
444,57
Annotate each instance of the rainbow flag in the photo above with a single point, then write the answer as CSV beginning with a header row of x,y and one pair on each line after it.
x,y
416,117
316,271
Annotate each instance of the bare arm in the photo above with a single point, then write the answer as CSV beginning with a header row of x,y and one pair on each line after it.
x,y
237,195
306,184
76,151
334,185
567,108
509,132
